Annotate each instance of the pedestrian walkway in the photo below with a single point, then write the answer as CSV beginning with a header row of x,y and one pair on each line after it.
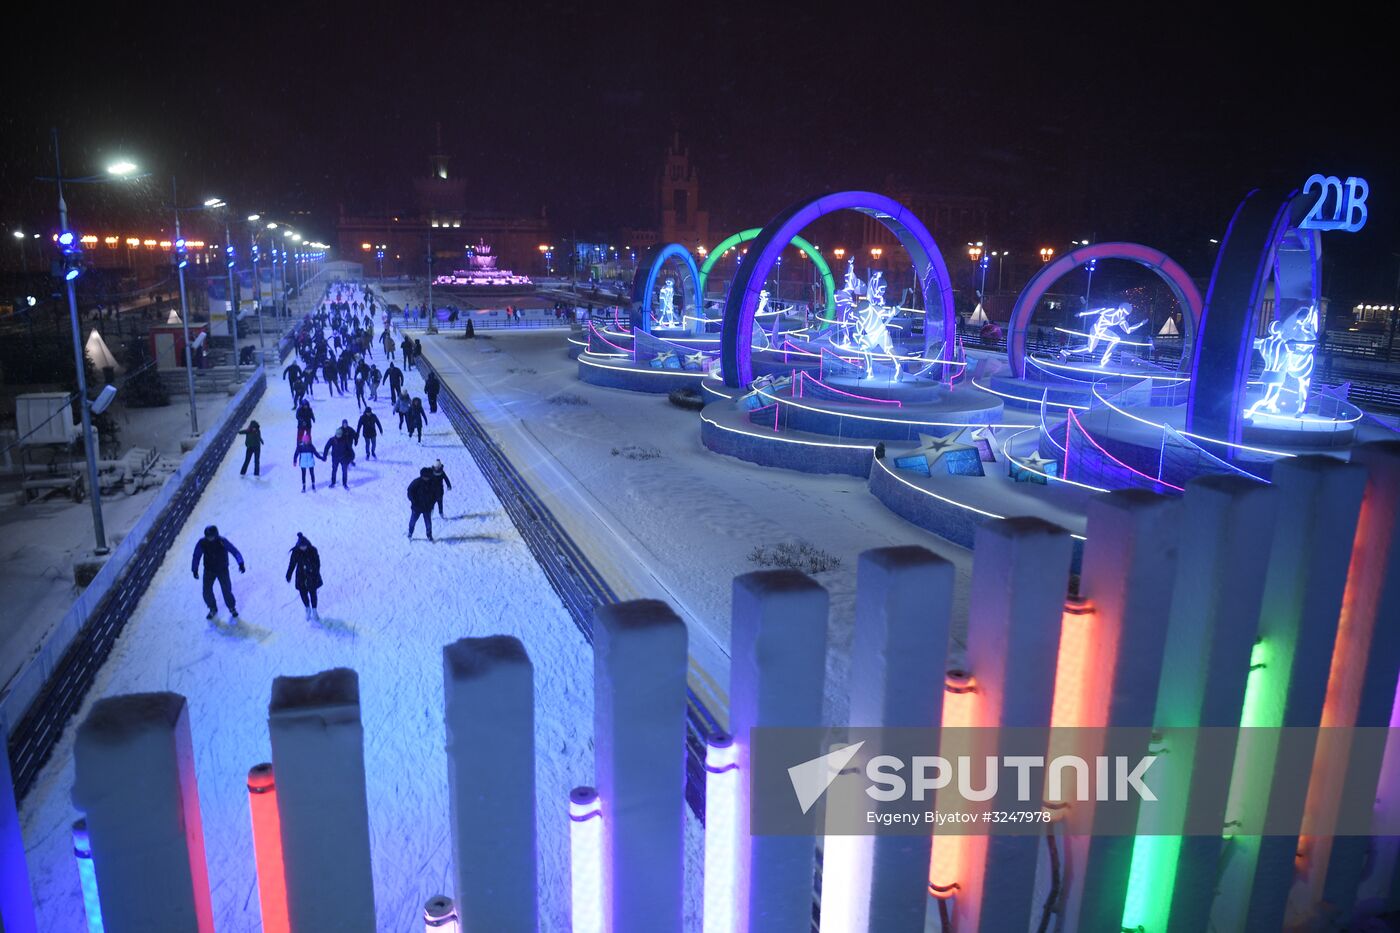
x,y
387,607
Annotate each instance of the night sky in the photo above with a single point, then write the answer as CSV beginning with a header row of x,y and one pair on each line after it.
x,y
1146,122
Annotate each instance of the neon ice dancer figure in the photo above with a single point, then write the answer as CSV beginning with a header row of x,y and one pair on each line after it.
x,y
760,336
870,333
1288,353
1106,321
668,316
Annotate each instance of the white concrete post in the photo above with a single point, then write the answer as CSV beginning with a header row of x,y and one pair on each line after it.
x,y
776,676
318,756
1319,502
904,601
639,663
134,779
488,684
1020,576
1214,604
16,897
1128,573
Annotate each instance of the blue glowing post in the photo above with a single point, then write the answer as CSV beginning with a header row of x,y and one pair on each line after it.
x,y
87,876
231,260
181,260
16,897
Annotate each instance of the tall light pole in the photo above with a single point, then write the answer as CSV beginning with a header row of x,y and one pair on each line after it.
x,y
257,277
180,262
432,312
69,243
230,261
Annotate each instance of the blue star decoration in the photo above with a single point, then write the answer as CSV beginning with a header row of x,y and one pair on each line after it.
x,y
667,360
932,449
695,360
1033,469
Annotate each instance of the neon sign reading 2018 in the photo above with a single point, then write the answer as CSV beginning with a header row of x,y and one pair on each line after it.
x,y
1348,206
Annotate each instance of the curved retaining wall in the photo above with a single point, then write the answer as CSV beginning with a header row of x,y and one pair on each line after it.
x,y
790,454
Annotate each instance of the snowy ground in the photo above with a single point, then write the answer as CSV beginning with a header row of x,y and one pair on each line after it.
x,y
658,513
387,608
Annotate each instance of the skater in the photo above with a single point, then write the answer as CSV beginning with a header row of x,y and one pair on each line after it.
x,y
375,377
402,408
387,339
305,417
431,388
420,501
369,428
305,562
417,353
253,443
440,480
293,375
360,375
394,376
341,449
406,345
214,550
305,457
415,417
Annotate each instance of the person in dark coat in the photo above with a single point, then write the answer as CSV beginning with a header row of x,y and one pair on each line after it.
x,y
252,443
305,564
414,418
417,352
388,340
375,377
440,484
293,376
369,428
394,376
420,500
406,345
341,450
305,416
213,551
330,374
360,375
431,388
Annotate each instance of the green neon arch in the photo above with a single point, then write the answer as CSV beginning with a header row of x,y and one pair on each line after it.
x,y
743,236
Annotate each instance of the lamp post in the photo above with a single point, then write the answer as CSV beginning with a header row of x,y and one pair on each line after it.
x,y
1001,260
432,313
69,243
180,263
230,261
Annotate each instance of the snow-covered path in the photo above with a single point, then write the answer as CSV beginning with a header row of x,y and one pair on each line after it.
x,y
387,608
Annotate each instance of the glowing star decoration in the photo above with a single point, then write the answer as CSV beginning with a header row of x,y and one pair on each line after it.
x,y
695,360
1288,363
1107,322
668,317
667,360
931,449
1033,469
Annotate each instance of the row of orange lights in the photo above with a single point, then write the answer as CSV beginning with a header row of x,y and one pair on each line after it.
x,y
113,242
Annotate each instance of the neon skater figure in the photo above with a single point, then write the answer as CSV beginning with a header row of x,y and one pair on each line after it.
x,y
1288,361
871,333
1106,321
668,305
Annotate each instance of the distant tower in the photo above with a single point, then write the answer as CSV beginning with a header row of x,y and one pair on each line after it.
x,y
439,158
441,200
682,221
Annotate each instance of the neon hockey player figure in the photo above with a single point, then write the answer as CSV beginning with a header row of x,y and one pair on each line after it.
x,y
668,305
1106,321
1288,361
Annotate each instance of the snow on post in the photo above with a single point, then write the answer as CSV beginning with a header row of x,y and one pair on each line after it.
x,y
1019,577
1128,573
16,897
903,606
134,779
639,663
776,675
488,685
318,757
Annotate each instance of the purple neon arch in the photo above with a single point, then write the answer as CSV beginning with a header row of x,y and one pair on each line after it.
x,y
1185,291
736,340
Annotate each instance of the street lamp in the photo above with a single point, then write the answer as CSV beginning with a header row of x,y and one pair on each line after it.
x,y
1047,253
839,252
230,260
72,259
1001,259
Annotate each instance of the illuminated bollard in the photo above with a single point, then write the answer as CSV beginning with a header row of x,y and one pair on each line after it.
x,y
16,898
722,788
318,757
488,686
904,601
134,780
440,915
87,876
267,849
639,696
587,865
776,677
947,866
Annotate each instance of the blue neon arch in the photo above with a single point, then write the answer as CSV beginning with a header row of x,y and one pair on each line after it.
x,y
940,323
644,283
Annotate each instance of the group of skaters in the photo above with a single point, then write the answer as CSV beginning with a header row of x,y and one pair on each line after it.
x,y
334,344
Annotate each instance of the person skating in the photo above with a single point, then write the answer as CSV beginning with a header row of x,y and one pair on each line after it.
x,y
305,417
253,444
306,457
387,339
417,353
341,449
375,377
431,388
213,550
305,563
360,379
406,345
369,428
292,374
414,419
401,407
420,501
440,480
394,376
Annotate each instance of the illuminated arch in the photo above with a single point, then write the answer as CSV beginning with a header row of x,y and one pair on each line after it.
x,y
1170,272
743,236
1262,241
644,282
736,340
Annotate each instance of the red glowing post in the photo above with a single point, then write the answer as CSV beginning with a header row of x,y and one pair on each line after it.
x,y
267,849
